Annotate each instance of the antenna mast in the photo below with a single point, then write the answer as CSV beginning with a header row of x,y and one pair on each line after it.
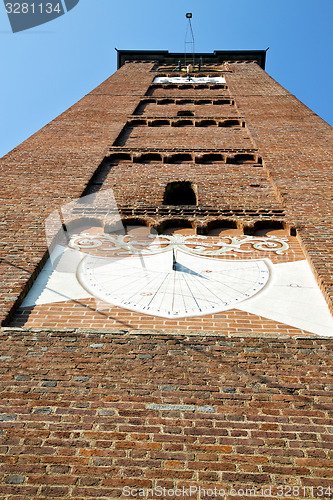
x,y
189,39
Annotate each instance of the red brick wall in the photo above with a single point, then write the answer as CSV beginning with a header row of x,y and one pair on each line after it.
x,y
76,421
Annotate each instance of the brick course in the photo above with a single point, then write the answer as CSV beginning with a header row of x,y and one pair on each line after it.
x,y
76,422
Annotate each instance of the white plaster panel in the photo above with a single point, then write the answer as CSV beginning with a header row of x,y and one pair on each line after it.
x,y
189,79
53,285
293,298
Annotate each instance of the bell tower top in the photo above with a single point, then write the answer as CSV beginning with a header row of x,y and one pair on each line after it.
x,y
164,57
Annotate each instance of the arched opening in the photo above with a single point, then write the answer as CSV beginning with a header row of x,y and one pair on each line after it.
x,y
269,228
183,102
139,229
230,123
206,123
210,158
162,102
179,158
218,86
183,123
137,123
176,226
242,158
119,157
159,123
221,102
202,102
180,193
124,225
148,158
223,228
185,112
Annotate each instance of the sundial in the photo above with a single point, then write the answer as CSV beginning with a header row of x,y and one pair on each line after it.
x,y
174,283
183,276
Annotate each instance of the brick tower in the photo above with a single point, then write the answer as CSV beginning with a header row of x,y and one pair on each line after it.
x,y
176,332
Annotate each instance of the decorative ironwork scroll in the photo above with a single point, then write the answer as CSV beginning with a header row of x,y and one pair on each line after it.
x,y
125,245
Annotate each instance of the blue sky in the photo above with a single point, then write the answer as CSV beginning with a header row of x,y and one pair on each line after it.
x,y
45,70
